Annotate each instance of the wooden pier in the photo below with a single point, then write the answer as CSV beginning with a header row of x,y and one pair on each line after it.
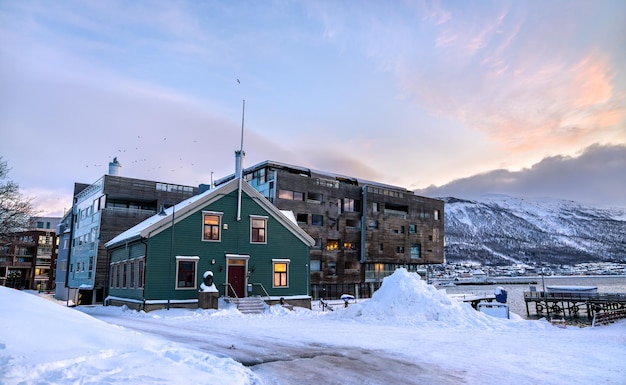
x,y
570,304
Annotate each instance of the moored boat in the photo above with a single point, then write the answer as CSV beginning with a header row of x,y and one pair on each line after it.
x,y
572,289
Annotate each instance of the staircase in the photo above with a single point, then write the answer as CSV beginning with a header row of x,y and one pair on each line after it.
x,y
250,305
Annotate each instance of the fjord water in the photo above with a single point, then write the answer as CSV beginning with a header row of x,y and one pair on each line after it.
x,y
515,298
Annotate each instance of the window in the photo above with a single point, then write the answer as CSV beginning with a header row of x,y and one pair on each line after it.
x,y
380,247
349,246
186,272
112,282
416,251
291,195
373,224
400,250
132,274
353,223
140,273
281,270
258,227
331,268
332,244
375,207
125,270
118,274
315,265
314,197
304,218
412,229
317,220
350,205
436,215
211,226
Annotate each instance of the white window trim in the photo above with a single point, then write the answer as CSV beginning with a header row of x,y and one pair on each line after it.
x,y
274,262
195,277
219,225
266,219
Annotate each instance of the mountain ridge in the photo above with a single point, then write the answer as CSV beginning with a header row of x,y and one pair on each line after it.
x,y
497,229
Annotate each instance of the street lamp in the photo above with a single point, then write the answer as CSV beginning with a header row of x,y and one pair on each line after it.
x,y
169,264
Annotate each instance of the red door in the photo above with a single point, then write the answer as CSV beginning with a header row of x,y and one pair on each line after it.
x,y
237,280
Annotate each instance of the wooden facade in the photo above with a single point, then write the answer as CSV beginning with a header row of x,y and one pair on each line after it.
x,y
363,230
145,264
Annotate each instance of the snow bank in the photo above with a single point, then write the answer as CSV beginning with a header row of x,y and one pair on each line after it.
x,y
404,298
44,343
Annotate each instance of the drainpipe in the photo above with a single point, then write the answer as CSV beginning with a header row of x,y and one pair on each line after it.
x,y
363,224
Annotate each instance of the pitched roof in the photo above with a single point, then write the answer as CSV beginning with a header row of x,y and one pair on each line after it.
x,y
157,223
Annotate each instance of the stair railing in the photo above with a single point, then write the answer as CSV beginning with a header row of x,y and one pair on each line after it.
x,y
263,288
227,286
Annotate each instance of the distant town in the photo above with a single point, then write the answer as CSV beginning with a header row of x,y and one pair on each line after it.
x,y
472,272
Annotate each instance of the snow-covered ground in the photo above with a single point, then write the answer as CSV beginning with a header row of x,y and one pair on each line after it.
x,y
408,332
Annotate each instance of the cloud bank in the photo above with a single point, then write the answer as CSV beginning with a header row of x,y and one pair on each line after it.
x,y
597,175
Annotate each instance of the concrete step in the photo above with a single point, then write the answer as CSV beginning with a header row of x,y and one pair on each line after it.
x,y
250,305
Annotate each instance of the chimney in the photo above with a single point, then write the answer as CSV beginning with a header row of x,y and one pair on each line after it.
x,y
115,167
239,157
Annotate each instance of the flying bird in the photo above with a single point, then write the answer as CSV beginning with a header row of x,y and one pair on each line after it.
x,y
238,81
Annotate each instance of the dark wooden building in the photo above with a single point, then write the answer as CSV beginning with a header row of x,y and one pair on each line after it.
x,y
363,230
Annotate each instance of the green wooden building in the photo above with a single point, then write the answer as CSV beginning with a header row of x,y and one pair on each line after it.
x,y
250,246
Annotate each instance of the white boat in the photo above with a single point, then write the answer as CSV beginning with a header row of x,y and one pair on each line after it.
x,y
572,289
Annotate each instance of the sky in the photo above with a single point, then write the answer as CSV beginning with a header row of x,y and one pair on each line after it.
x,y
408,332
418,94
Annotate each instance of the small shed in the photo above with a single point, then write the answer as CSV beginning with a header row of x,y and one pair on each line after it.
x,y
251,247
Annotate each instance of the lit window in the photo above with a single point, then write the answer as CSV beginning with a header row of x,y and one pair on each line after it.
x,y
281,270
332,244
285,194
349,246
258,230
186,273
211,226
436,215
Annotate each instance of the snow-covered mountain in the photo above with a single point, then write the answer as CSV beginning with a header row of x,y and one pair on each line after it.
x,y
500,229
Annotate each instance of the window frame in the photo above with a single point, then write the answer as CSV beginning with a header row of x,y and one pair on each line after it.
x,y
141,266
282,276
132,274
217,226
186,259
264,220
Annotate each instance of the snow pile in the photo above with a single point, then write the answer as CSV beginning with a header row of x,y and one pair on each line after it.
x,y
44,343
405,299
